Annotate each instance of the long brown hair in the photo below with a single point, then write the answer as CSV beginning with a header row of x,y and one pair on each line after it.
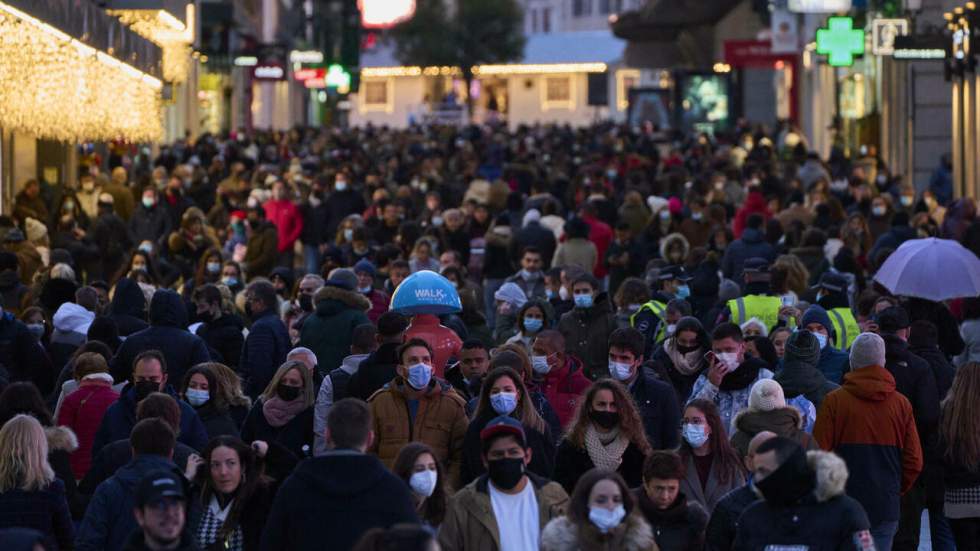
x,y
252,478
434,509
525,412
725,456
630,422
960,425
578,503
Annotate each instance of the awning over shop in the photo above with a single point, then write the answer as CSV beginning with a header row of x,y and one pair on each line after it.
x,y
663,20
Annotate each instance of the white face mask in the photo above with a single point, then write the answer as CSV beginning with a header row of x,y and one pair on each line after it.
x,y
729,359
620,371
563,293
604,519
822,339
423,483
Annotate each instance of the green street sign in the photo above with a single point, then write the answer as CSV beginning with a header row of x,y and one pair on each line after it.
x,y
840,41
338,78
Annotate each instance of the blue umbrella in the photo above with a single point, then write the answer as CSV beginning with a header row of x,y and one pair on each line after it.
x,y
933,269
426,292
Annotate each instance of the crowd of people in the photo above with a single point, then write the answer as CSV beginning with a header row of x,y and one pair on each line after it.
x,y
664,342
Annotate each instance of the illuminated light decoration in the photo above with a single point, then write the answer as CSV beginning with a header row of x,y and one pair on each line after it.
x,y
722,68
246,61
382,72
912,53
305,56
550,68
315,83
819,6
338,78
55,87
306,74
381,14
268,72
840,41
168,32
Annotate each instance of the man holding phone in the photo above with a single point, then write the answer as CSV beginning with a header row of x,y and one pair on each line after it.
x,y
730,374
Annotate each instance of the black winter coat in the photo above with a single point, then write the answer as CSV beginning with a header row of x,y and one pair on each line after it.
x,y
679,527
572,462
23,356
720,532
168,334
150,225
216,422
341,204
116,455
659,409
264,351
335,499
375,371
128,307
43,510
948,331
752,244
542,451
224,339
915,380
296,435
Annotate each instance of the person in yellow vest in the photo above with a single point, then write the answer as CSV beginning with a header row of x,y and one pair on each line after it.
x,y
653,319
756,301
832,296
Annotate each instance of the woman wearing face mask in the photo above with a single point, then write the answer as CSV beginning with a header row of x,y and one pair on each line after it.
x,y
607,432
231,277
284,412
680,359
208,271
504,393
510,299
236,484
533,318
33,318
196,388
713,466
602,514
416,464
345,232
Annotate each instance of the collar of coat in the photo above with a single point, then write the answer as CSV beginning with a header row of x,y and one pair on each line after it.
x,y
831,476
564,534
353,299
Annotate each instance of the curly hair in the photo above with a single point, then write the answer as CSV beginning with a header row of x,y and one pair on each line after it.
x,y
630,423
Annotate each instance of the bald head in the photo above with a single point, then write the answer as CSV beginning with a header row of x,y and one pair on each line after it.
x,y
754,444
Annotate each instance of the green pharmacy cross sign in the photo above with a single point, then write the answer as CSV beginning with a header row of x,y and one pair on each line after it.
x,y
840,41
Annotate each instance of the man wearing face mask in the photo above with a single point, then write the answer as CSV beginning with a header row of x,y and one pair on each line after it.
x,y
149,375
654,398
557,375
832,296
730,375
588,326
507,508
221,331
530,278
652,319
343,201
833,363
262,246
418,407
804,504
366,272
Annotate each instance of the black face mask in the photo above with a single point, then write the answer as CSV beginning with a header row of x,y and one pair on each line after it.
x,y
144,389
789,483
306,303
287,393
206,316
605,419
687,349
505,473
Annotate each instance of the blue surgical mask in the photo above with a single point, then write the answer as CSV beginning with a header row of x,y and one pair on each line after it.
x,y
694,435
822,339
504,403
540,364
348,234
229,281
419,375
196,397
620,371
583,301
697,216
683,291
533,325
549,293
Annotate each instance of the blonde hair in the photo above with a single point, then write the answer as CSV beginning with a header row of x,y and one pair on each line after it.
x,y
229,386
304,373
24,455
960,425
797,277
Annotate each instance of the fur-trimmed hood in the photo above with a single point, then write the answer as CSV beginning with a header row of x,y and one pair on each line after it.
x,y
831,474
328,297
61,439
633,534
673,240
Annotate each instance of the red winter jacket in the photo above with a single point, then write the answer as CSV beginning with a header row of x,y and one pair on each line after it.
x,y
755,203
82,412
601,235
379,304
564,388
288,221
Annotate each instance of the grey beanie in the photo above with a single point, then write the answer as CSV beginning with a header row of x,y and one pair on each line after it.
x,y
728,290
802,347
868,349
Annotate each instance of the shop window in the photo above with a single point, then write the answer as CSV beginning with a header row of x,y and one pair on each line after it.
x,y
377,95
558,93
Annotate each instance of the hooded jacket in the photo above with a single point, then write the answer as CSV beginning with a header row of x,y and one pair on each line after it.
x,y
224,338
564,534
71,323
128,307
586,332
181,348
915,380
120,418
335,499
470,524
265,349
109,518
870,425
82,411
328,332
440,422
824,520
23,356
784,421
752,244
719,535
679,527
564,387
288,221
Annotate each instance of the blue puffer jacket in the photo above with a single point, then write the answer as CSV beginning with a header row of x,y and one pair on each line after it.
x,y
833,364
168,334
109,518
752,244
264,351
120,419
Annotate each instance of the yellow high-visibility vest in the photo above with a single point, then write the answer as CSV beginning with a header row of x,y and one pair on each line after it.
x,y
659,309
762,307
845,326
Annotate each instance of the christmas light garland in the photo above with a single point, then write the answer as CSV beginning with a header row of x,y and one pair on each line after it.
x,y
53,86
165,31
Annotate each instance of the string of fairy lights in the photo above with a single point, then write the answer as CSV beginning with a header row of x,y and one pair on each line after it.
x,y
55,87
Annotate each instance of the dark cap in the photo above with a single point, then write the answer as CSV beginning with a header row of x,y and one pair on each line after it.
x,y
159,485
893,318
343,278
756,266
832,281
365,266
668,273
503,425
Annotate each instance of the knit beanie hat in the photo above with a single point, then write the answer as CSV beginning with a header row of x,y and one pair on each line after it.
x,y
817,314
802,347
868,349
766,395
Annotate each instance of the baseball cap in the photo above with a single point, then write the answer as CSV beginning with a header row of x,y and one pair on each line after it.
x,y
832,281
159,485
503,425
668,273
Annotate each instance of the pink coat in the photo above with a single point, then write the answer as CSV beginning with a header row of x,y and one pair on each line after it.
x,y
82,412
288,221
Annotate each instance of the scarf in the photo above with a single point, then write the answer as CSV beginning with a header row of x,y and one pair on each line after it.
x,y
682,362
278,412
742,377
605,456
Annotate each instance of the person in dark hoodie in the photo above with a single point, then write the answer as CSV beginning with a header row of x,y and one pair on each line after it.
x,y
149,375
800,376
338,497
752,244
128,307
379,368
678,524
22,355
168,333
12,291
723,524
267,344
221,331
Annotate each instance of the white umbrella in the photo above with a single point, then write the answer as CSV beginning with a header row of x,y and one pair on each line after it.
x,y
933,269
